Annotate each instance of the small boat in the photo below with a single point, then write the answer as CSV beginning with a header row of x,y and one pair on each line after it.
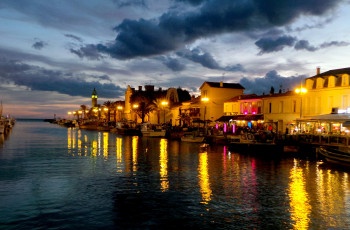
x,y
192,138
335,155
152,130
126,128
248,144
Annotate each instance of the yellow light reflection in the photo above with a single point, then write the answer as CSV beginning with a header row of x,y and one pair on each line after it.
x,y
135,140
73,138
332,191
299,201
203,176
105,145
119,142
69,138
94,149
163,162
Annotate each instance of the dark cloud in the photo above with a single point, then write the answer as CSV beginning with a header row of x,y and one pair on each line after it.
x,y
104,77
268,45
39,45
74,37
173,64
272,78
192,2
173,30
40,79
206,59
334,43
88,51
126,3
304,45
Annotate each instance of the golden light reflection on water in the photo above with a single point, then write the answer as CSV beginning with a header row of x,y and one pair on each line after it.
x,y
163,162
105,145
135,140
299,199
69,140
203,176
94,149
332,194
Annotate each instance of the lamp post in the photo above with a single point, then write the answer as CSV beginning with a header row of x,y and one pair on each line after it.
x,y
301,91
120,108
69,113
135,106
164,103
205,100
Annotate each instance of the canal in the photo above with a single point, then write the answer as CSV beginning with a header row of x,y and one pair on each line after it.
x,y
63,178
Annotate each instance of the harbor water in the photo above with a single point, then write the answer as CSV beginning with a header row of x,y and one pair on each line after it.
x,y
64,178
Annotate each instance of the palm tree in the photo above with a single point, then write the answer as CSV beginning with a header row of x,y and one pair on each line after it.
x,y
157,105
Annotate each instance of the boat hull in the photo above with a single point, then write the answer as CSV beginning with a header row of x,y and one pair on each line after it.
x,y
192,139
335,156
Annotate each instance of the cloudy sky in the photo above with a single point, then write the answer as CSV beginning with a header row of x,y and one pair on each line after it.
x,y
54,53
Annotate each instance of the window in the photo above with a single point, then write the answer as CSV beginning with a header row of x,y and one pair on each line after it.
x,y
270,107
345,101
294,109
280,107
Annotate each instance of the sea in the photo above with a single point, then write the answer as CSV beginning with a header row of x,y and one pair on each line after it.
x,y
52,177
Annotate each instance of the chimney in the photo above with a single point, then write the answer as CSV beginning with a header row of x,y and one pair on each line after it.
x,y
318,70
140,87
221,84
160,89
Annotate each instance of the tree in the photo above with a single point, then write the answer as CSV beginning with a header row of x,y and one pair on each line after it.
x,y
144,102
157,105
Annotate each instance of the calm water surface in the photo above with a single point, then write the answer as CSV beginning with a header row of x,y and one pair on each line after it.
x,y
58,178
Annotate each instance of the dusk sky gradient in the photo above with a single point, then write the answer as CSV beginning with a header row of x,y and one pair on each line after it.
x,y
53,53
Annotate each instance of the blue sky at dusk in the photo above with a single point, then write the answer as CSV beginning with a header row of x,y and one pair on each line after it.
x,y
54,53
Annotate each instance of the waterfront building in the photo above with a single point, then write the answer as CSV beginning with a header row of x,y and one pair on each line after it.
x,y
320,108
213,96
155,106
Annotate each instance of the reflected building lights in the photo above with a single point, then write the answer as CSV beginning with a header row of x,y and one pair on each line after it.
x,y
299,201
119,142
105,145
163,162
203,176
94,149
135,140
69,140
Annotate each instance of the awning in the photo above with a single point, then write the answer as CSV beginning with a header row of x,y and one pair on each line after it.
x,y
241,118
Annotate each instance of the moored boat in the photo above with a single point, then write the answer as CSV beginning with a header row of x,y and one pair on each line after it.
x,y
335,155
192,138
152,130
126,128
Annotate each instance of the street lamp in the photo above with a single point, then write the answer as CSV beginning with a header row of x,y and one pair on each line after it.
x,y
164,103
205,100
69,113
301,91
135,106
120,108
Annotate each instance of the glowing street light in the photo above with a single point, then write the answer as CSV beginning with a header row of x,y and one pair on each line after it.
x,y
164,103
205,100
135,106
301,91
